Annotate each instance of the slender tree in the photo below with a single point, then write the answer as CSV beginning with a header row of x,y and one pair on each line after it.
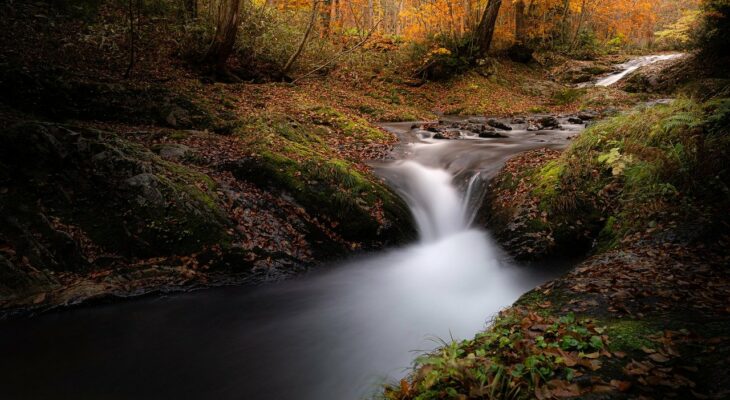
x,y
485,30
520,22
303,42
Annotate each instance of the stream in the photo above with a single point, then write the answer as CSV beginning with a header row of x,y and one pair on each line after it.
x,y
337,333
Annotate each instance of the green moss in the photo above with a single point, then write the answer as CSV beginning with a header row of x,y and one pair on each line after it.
x,y
630,335
547,178
348,125
298,157
505,361
639,168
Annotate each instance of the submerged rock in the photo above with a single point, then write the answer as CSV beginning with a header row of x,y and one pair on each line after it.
x,y
491,135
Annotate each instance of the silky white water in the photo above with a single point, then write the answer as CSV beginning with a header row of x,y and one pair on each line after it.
x,y
633,65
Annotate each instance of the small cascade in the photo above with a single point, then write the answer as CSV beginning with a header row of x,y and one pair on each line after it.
x,y
633,65
438,207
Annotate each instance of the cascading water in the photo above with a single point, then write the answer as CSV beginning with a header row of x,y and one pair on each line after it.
x,y
435,203
632,66
335,334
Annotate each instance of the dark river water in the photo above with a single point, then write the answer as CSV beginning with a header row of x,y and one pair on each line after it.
x,y
337,333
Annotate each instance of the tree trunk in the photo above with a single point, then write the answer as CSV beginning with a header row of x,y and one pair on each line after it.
x,y
580,24
565,24
520,22
303,42
326,17
226,31
485,30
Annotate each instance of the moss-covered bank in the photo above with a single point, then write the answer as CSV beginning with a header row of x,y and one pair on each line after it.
x,y
646,317
96,206
658,168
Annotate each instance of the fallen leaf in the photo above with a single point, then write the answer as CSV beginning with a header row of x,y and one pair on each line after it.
x,y
658,357
622,386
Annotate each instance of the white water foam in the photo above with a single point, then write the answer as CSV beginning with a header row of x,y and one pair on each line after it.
x,y
633,65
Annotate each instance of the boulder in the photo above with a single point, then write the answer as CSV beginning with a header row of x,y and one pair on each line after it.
x,y
499,125
491,135
575,120
549,122
172,151
448,134
147,189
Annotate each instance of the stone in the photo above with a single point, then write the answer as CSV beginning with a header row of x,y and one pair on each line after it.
x,y
549,122
499,125
491,135
172,151
176,116
575,120
146,185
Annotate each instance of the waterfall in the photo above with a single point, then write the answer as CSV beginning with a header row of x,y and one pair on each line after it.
x,y
632,66
439,209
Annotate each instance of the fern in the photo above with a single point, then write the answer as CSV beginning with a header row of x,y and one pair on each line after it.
x,y
682,120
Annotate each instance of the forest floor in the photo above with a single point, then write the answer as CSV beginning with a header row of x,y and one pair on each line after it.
x,y
115,186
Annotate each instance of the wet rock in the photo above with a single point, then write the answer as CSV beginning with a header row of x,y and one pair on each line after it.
x,y
518,121
575,120
532,126
472,127
499,125
491,135
448,134
549,122
172,151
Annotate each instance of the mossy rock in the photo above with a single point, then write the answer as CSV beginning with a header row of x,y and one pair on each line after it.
x,y
354,204
300,159
125,198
